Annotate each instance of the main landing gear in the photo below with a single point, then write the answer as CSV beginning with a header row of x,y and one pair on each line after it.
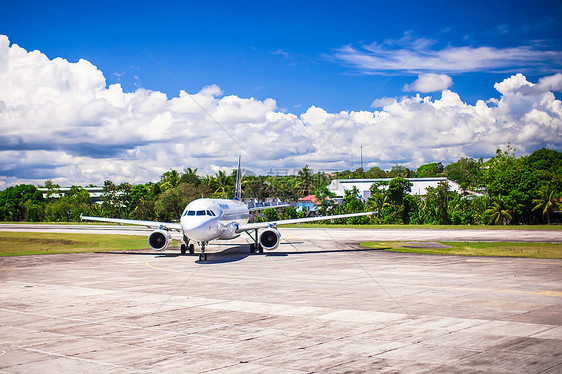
x,y
187,247
255,246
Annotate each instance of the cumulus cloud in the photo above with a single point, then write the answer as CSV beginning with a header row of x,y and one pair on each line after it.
x,y
419,56
59,120
430,82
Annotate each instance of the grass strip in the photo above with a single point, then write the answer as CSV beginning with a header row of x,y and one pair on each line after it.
x,y
490,249
20,244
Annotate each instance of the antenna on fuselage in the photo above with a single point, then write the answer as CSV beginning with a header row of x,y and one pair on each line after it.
x,y
238,188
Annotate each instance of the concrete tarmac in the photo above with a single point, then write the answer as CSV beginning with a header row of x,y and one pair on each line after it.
x,y
319,303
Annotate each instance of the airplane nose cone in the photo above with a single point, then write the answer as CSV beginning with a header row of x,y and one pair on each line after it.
x,y
197,229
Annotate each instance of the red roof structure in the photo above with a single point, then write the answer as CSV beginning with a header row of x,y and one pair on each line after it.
x,y
311,198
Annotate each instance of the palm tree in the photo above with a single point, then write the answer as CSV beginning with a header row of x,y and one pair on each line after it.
x,y
190,176
305,178
169,179
498,211
378,201
224,185
547,202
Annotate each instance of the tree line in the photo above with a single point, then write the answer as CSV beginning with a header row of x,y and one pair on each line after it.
x,y
506,189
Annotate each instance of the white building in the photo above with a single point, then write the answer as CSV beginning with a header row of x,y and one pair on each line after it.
x,y
419,186
96,193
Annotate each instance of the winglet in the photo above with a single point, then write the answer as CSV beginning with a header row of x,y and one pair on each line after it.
x,y
238,182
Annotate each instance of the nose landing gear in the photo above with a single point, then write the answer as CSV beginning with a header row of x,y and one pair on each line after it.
x,y
203,255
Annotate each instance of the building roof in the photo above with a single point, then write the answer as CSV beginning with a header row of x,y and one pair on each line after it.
x,y
311,198
419,185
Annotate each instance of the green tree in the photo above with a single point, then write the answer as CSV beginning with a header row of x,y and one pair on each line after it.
x,y
515,181
326,198
379,201
13,201
34,211
305,184
466,172
171,203
398,188
53,190
437,203
190,176
224,185
498,211
257,188
116,199
432,169
270,214
462,210
547,202
375,172
69,207
400,206
352,203
143,202
399,171
546,159
169,179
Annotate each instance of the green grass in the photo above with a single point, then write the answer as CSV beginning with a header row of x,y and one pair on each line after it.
x,y
492,249
20,244
433,227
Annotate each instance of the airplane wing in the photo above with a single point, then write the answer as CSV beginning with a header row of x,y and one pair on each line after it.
x,y
149,224
263,225
268,207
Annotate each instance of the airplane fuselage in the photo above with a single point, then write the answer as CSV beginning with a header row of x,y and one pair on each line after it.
x,y
204,220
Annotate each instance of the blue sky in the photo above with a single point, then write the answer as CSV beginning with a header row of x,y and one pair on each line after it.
x,y
286,80
281,50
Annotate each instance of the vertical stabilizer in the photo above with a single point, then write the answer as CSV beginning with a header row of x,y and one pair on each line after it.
x,y
238,188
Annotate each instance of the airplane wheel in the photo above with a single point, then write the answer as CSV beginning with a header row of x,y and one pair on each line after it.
x,y
191,249
260,248
203,257
183,249
252,248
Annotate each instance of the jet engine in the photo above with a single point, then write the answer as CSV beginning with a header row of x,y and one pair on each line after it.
x,y
269,239
160,240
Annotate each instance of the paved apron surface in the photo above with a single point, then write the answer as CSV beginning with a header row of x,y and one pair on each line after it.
x,y
320,303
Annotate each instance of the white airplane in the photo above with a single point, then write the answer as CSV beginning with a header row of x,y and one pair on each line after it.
x,y
204,220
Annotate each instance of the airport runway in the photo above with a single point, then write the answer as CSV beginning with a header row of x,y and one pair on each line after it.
x,y
320,303
324,232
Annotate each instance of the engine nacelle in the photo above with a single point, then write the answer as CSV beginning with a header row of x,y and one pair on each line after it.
x,y
269,239
160,240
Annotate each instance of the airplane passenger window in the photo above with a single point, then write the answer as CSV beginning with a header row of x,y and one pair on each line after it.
x,y
200,212
191,213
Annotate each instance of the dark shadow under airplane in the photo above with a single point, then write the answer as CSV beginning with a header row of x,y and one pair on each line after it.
x,y
240,252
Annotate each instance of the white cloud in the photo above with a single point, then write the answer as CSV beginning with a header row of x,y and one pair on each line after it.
x,y
430,82
419,56
551,83
60,121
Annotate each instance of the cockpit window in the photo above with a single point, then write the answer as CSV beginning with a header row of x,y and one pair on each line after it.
x,y
199,213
